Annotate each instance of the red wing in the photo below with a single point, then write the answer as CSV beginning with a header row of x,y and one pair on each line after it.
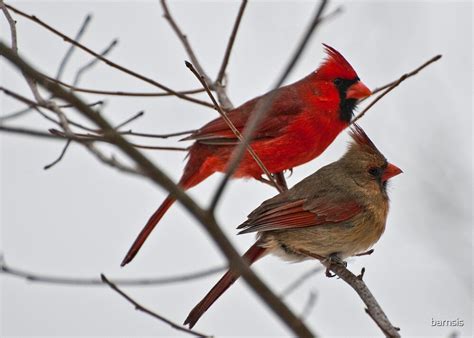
x,y
300,214
284,105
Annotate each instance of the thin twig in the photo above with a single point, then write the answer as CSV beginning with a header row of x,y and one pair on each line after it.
x,y
93,62
43,104
29,132
67,56
206,219
219,85
147,311
392,85
76,281
130,119
92,104
87,137
122,92
184,40
309,305
59,72
56,161
222,96
300,280
234,130
107,61
23,111
103,138
231,41
164,136
12,24
302,45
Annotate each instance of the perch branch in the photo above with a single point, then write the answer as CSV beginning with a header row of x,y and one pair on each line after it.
x,y
357,283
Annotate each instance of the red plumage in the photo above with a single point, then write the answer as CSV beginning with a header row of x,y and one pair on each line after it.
x,y
251,256
301,122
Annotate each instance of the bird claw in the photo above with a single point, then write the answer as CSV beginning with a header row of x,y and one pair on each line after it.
x,y
369,252
331,260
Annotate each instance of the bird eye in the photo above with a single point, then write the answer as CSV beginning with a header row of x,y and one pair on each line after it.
x,y
337,82
376,172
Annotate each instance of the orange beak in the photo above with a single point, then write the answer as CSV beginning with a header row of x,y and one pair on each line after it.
x,y
358,91
391,171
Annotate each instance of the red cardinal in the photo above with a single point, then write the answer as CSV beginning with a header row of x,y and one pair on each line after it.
x,y
337,212
301,122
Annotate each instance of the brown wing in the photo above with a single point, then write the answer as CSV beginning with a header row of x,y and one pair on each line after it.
x,y
299,214
284,106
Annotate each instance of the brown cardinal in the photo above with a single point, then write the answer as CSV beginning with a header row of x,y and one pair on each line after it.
x,y
337,212
300,123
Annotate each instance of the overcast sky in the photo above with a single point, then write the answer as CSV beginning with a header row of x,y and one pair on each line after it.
x,y
79,218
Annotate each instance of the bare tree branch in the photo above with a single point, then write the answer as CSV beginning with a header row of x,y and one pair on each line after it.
x,y
81,71
92,138
302,45
129,120
356,282
76,281
181,133
309,305
107,61
206,219
300,280
12,24
67,56
222,96
392,85
230,43
147,311
61,155
123,93
29,132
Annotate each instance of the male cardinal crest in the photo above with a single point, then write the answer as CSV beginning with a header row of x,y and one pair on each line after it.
x,y
339,211
300,123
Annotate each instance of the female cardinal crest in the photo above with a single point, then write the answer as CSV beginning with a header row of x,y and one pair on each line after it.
x,y
301,121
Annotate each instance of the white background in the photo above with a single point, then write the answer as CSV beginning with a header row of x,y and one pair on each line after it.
x,y
79,218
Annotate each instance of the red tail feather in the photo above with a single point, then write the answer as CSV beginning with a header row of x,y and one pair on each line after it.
x,y
253,254
150,225
194,173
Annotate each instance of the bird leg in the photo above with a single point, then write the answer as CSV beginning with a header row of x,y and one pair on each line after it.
x,y
264,180
333,259
280,179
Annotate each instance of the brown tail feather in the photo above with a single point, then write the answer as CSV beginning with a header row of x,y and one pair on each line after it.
x,y
253,254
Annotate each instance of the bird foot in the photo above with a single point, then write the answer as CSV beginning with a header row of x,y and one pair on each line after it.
x,y
333,259
369,252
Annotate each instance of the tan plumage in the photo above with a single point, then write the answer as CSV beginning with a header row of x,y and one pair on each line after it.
x,y
339,210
